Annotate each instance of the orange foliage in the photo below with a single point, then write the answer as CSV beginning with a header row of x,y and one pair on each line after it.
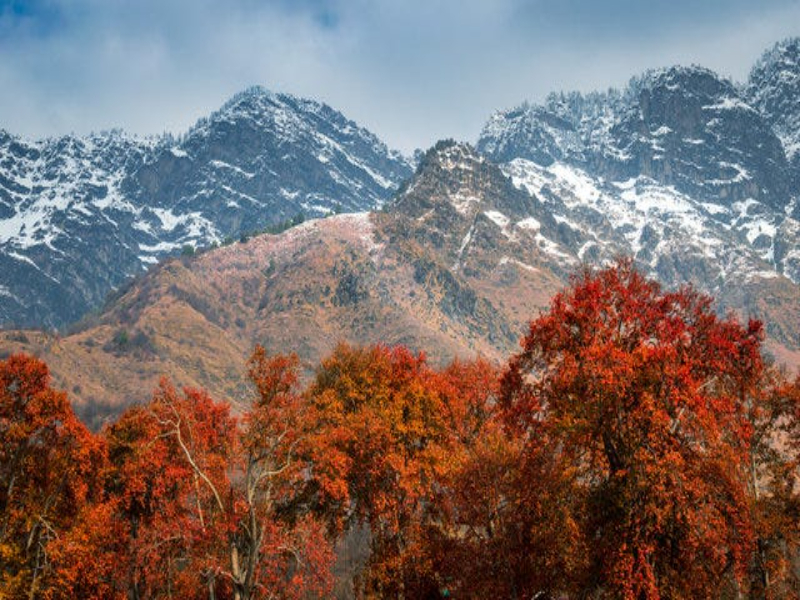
x,y
48,463
200,495
775,489
389,430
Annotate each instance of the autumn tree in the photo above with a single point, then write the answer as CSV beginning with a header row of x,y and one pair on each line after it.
x,y
512,520
48,466
243,481
643,397
775,489
388,429
377,423
493,525
164,455
89,560
199,502
277,548
153,532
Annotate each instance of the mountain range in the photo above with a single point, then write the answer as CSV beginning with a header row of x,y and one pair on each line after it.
x,y
81,215
695,177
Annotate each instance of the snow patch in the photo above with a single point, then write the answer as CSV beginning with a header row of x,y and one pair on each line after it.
x,y
729,103
223,165
497,218
505,260
462,201
529,223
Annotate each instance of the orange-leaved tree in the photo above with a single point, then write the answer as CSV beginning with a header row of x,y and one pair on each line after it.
x,y
380,440
391,431
49,465
277,545
496,530
200,504
155,531
644,397
775,490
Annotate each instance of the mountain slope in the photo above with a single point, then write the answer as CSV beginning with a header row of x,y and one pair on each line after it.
x,y
774,88
455,265
78,216
363,278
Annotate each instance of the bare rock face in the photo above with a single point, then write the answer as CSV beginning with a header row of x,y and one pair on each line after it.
x,y
774,90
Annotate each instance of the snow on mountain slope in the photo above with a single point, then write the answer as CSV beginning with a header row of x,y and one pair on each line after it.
x,y
683,127
78,216
64,222
274,152
774,89
682,169
677,237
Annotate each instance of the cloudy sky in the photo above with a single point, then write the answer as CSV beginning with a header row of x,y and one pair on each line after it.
x,y
413,71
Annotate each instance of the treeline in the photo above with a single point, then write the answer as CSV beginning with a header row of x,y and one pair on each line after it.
x,y
638,447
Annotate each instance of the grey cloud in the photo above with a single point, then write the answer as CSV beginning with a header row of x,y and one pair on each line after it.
x,y
411,71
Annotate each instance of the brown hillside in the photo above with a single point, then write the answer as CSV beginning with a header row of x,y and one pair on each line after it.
x,y
197,320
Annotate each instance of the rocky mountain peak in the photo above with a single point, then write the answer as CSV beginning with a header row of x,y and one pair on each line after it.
x,y
774,89
683,170
685,102
692,79
79,215
684,127
778,65
462,207
451,155
543,134
297,155
281,113
455,180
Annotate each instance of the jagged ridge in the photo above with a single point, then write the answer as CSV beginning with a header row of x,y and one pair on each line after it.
x,y
689,172
78,216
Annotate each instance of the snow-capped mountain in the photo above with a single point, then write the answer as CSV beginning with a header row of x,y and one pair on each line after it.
x,y
695,176
265,157
79,216
683,169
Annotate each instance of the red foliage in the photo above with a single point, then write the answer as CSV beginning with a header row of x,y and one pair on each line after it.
x,y
645,396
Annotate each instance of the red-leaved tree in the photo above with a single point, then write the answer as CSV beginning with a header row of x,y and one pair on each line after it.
x,y
641,399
